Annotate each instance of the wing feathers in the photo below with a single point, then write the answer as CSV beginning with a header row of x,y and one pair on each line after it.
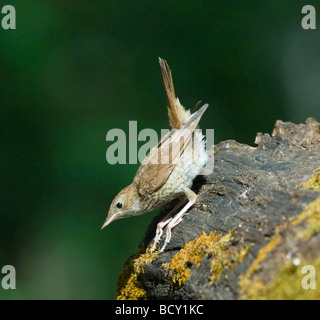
x,y
159,163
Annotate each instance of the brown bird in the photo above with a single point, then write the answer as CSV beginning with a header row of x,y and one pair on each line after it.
x,y
168,170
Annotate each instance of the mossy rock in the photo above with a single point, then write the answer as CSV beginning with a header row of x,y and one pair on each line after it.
x,y
255,225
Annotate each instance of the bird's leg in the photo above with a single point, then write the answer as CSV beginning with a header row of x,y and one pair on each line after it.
x,y
164,221
191,196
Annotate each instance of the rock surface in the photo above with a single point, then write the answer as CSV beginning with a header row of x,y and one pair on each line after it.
x,y
255,224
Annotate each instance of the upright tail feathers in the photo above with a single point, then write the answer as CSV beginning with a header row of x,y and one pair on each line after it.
x,y
178,116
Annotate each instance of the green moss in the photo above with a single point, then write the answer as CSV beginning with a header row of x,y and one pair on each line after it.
x,y
287,285
224,256
128,286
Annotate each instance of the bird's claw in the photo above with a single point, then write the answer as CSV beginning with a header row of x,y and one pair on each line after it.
x,y
156,239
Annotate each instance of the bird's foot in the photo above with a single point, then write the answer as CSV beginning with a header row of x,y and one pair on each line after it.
x,y
159,232
168,233
178,217
163,222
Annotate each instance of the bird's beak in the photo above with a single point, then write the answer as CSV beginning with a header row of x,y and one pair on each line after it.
x,y
109,220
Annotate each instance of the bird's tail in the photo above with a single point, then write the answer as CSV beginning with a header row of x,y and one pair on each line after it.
x,y
178,115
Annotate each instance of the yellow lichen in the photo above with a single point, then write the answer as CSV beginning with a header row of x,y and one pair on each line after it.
x,y
133,289
262,254
311,215
287,283
313,183
281,227
226,260
249,289
129,287
254,288
246,285
191,254
224,256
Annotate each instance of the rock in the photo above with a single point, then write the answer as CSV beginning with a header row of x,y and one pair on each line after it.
x,y
255,224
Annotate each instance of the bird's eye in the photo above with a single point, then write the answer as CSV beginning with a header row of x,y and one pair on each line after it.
x,y
119,205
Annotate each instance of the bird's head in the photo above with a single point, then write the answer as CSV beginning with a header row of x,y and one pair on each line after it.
x,y
126,204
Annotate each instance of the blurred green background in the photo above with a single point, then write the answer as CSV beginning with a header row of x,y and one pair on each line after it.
x,y
72,70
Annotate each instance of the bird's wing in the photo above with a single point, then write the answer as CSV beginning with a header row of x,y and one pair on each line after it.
x,y
156,168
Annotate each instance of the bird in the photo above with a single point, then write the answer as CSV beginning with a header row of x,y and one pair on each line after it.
x,y
168,171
